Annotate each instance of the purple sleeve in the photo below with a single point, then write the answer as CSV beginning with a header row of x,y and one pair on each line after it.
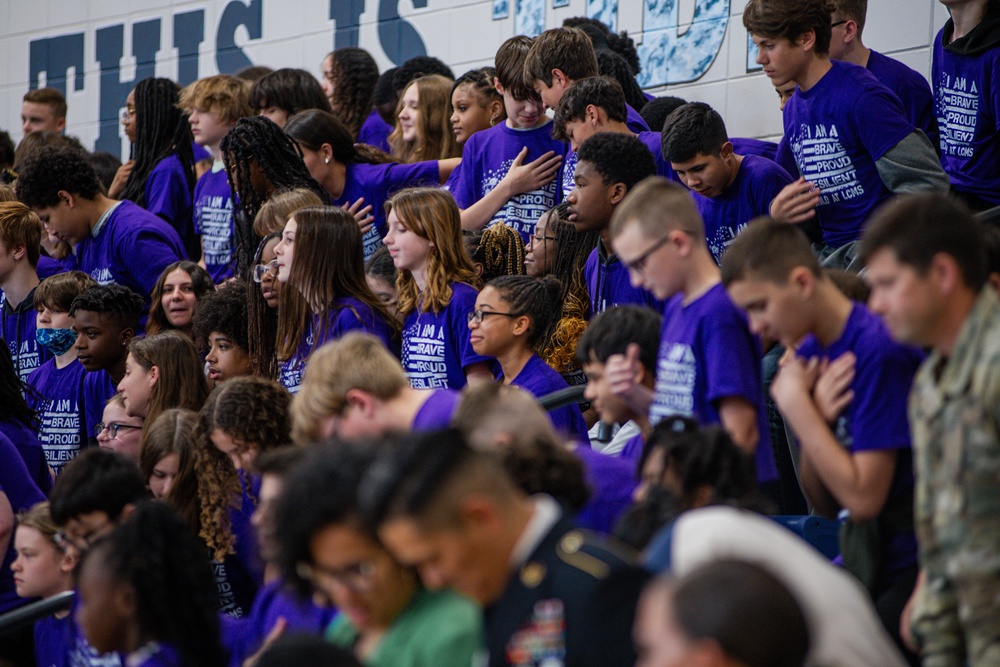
x,y
168,194
462,303
786,160
732,362
146,251
878,413
883,123
462,183
612,481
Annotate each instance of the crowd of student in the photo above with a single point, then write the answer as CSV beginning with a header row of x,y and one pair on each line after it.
x,y
270,388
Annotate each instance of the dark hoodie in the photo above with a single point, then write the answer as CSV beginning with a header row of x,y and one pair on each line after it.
x,y
19,334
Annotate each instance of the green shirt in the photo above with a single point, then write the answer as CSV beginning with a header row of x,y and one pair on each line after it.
x,y
437,629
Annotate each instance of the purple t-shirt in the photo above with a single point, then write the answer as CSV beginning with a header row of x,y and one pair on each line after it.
x,y
436,348
634,120
706,354
98,387
759,147
25,439
912,90
213,220
377,183
539,379
967,103
375,131
757,183
240,574
168,195
487,157
609,286
131,248
876,418
62,427
632,451
347,314
654,142
19,333
437,410
60,643
243,637
22,493
836,132
612,482
48,267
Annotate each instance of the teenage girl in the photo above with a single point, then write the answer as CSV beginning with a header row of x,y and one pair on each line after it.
x,y
175,297
161,178
423,127
380,273
349,78
351,172
495,251
167,447
511,313
242,419
475,104
437,287
118,431
43,569
146,591
319,255
162,372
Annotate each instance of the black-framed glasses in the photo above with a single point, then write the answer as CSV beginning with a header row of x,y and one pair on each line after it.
x,y
836,23
113,428
261,270
639,263
478,316
357,577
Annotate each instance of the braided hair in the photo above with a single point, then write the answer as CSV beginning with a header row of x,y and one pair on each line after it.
x,y
557,346
481,82
537,298
262,323
500,252
354,74
162,129
155,555
257,144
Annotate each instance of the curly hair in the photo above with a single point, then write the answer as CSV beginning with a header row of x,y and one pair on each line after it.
x,y
115,301
416,67
604,39
354,73
558,346
201,283
500,250
432,214
612,65
435,139
291,90
181,383
618,158
254,413
162,129
258,144
163,565
223,311
52,169
98,480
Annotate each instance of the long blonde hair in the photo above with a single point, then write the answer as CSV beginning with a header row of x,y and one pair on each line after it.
x,y
435,138
433,215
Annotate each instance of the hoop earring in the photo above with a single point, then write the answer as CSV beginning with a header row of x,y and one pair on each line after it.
x,y
493,119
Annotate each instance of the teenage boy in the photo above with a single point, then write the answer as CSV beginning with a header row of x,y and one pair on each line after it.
x,y
493,183
359,390
58,384
912,89
213,105
729,189
551,594
854,455
116,241
43,110
20,238
597,104
610,166
926,262
965,71
708,366
847,133
615,333
559,57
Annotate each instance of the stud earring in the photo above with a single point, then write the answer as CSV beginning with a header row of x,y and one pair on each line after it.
x,y
326,160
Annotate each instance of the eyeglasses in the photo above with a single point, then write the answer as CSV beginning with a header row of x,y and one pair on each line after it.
x,y
358,577
478,316
112,428
542,239
836,23
261,270
127,115
639,263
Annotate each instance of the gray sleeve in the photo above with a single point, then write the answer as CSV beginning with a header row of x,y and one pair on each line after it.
x,y
912,166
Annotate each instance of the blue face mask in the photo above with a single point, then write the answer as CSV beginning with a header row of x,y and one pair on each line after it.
x,y
56,341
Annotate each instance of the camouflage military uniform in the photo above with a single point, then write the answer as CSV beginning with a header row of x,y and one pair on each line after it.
x,y
955,417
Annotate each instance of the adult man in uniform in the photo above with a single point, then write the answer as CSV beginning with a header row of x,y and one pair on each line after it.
x,y
552,595
927,265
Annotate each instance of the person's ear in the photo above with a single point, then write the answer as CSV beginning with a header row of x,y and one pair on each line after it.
x,y
154,375
123,600
522,325
18,251
803,279
945,273
66,198
618,192
807,40
495,107
558,76
128,333
478,511
61,124
326,152
497,86
727,150
360,400
681,241
68,561
591,115
850,30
